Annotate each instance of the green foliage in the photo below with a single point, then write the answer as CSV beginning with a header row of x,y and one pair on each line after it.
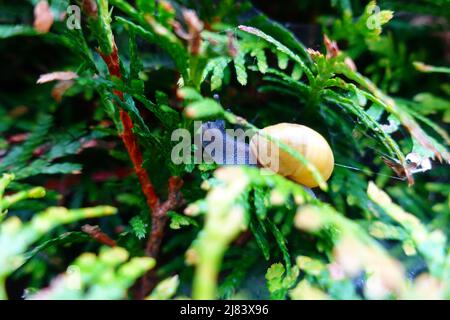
x,y
92,277
139,227
431,245
277,282
177,220
376,90
20,159
166,289
16,236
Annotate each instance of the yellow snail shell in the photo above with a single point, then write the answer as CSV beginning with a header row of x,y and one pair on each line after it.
x,y
309,143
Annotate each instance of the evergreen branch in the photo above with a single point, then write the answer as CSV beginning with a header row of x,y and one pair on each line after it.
x,y
159,221
280,47
422,67
158,209
128,137
374,94
226,219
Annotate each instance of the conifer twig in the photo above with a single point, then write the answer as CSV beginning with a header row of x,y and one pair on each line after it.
x,y
158,209
159,216
98,235
109,53
127,135
159,221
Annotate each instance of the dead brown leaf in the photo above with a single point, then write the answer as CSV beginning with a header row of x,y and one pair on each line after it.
x,y
60,88
43,17
58,75
332,47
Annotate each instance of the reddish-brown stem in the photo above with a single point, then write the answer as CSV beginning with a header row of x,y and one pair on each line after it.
x,y
159,209
132,146
98,235
159,217
159,221
128,137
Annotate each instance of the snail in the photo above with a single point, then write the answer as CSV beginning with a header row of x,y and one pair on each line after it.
x,y
309,143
